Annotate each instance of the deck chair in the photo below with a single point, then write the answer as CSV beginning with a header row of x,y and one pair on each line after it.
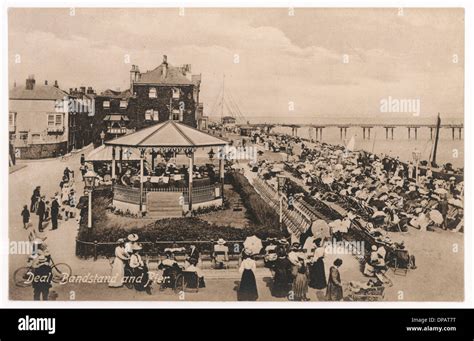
x,y
221,258
401,262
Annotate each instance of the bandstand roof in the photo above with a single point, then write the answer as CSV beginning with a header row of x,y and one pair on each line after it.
x,y
104,153
169,134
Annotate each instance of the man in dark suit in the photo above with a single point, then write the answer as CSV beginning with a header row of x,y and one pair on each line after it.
x,y
42,278
54,213
34,198
40,212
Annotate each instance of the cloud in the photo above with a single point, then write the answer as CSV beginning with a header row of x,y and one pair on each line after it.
x,y
280,59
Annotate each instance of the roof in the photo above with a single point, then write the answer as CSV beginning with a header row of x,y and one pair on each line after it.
x,y
169,134
116,117
46,92
104,153
228,118
117,94
174,76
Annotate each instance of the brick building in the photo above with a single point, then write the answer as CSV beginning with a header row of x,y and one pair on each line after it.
x,y
164,93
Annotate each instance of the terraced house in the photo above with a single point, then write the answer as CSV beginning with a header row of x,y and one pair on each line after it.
x,y
45,121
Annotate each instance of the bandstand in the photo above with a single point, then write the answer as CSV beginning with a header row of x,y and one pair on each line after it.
x,y
168,191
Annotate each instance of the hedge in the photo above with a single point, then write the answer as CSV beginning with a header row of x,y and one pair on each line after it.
x,y
106,233
258,209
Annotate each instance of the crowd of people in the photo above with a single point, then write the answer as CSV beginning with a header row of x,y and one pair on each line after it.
x,y
297,267
382,189
129,266
60,206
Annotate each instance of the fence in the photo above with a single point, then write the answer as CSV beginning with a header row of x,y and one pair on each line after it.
x,y
297,220
132,195
95,249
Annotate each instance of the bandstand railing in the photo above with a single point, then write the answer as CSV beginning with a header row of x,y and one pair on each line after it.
x,y
132,195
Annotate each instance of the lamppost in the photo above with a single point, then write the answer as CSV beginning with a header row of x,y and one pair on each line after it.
x,y
102,136
281,183
211,154
90,179
416,159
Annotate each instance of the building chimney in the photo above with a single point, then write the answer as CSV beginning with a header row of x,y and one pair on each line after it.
x,y
30,82
164,71
56,85
70,91
45,82
90,90
83,89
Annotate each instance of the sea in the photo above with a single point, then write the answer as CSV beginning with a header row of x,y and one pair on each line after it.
x,y
449,150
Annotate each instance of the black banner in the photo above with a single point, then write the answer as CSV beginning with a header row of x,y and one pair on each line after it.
x,y
333,324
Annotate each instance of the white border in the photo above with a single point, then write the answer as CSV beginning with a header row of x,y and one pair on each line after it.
x,y
468,125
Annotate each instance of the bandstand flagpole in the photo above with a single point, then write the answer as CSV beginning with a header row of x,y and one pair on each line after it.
x,y
113,164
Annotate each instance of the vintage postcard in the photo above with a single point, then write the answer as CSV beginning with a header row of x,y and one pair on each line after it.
x,y
236,154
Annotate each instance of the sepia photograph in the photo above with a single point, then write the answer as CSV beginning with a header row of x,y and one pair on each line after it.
x,y
206,154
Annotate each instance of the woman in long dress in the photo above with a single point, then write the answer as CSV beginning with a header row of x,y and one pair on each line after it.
x,y
121,256
317,273
334,290
282,279
248,285
139,270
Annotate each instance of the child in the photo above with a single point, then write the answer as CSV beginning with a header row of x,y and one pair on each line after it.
x,y
26,216
300,284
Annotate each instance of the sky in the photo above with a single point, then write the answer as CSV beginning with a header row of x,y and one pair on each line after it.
x,y
277,62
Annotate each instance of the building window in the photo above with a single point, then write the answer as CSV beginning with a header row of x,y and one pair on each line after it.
x,y
123,104
152,115
55,120
59,121
11,119
35,137
23,135
175,93
152,93
50,120
106,104
148,114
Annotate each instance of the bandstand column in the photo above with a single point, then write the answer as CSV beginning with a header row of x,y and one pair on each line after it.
x,y
142,157
120,164
113,164
190,182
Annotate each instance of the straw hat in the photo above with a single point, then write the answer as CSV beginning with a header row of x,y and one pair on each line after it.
x,y
41,260
132,237
221,241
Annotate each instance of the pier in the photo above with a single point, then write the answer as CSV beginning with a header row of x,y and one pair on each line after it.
x,y
316,130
